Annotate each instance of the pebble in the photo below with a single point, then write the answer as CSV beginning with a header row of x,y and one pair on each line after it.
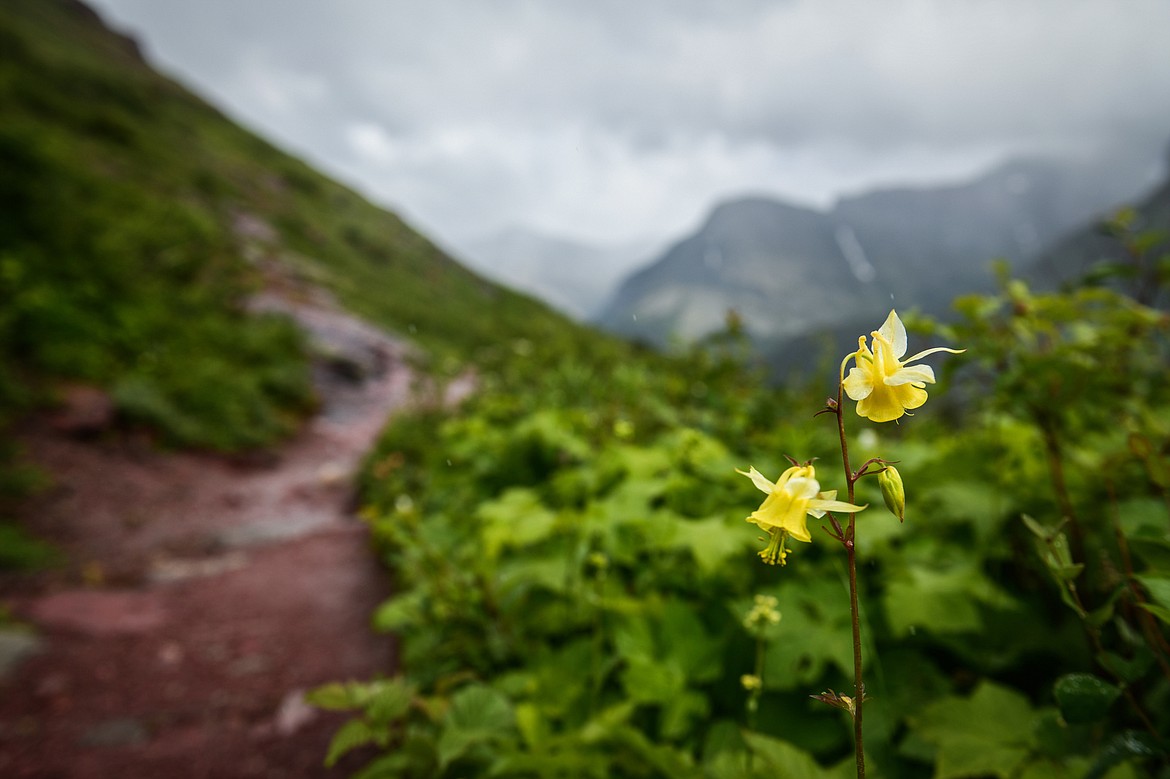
x,y
16,644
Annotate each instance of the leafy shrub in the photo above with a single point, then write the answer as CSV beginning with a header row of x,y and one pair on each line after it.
x,y
574,551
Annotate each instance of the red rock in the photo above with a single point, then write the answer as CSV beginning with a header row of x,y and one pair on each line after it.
x,y
84,411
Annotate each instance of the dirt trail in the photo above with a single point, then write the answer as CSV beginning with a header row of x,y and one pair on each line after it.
x,y
204,594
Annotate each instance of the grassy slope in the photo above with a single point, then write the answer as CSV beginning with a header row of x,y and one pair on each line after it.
x,y
119,264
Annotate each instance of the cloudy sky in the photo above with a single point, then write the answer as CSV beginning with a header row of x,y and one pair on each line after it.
x,y
613,120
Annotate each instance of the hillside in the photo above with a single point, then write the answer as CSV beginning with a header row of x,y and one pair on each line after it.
x,y
136,221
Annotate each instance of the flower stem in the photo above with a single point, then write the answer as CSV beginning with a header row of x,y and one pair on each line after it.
x,y
854,614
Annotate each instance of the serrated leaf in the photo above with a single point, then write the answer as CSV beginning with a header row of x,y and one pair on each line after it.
x,y
816,632
647,680
991,732
666,760
350,736
712,542
401,611
942,602
517,518
477,714
389,700
686,641
782,760
334,696
478,707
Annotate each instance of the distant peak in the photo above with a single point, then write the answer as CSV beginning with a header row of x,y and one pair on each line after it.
x,y
755,208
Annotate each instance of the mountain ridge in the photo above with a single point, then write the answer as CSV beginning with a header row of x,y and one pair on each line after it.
x,y
791,271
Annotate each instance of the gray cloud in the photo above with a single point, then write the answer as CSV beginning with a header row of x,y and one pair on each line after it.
x,y
609,119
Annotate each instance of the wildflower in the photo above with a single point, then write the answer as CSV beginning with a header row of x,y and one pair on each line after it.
x,y
794,495
884,386
762,614
751,682
893,491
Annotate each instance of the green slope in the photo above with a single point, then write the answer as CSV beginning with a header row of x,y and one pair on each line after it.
x,y
122,261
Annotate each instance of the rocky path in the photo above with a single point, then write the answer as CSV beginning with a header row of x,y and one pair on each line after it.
x,y
203,594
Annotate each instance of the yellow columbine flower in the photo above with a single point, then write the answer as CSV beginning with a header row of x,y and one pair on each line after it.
x,y
794,495
884,386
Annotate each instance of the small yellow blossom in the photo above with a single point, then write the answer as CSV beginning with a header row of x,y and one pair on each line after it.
x,y
884,385
764,612
751,682
794,495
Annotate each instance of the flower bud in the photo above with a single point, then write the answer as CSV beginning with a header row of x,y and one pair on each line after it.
x,y
751,682
893,492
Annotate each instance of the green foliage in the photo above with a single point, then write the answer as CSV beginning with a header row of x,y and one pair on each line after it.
x,y
578,547
19,550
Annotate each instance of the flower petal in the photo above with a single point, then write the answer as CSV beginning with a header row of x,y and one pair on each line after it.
x,y
858,384
881,406
802,487
911,374
799,530
895,332
910,396
922,354
758,479
835,505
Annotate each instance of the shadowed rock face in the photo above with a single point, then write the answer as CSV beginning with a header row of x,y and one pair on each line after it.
x,y
793,272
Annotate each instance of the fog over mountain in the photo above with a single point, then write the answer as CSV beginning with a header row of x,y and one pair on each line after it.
x,y
790,271
1080,251
572,276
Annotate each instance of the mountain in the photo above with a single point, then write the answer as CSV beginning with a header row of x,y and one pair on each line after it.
x,y
791,272
137,224
1098,246
573,277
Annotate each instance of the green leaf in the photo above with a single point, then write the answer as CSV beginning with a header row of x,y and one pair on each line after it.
x,y
782,760
816,632
942,602
687,642
1161,612
1158,588
714,541
649,680
991,732
1083,698
681,712
399,612
389,700
517,518
477,714
664,759
350,736
1128,745
335,696
478,707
